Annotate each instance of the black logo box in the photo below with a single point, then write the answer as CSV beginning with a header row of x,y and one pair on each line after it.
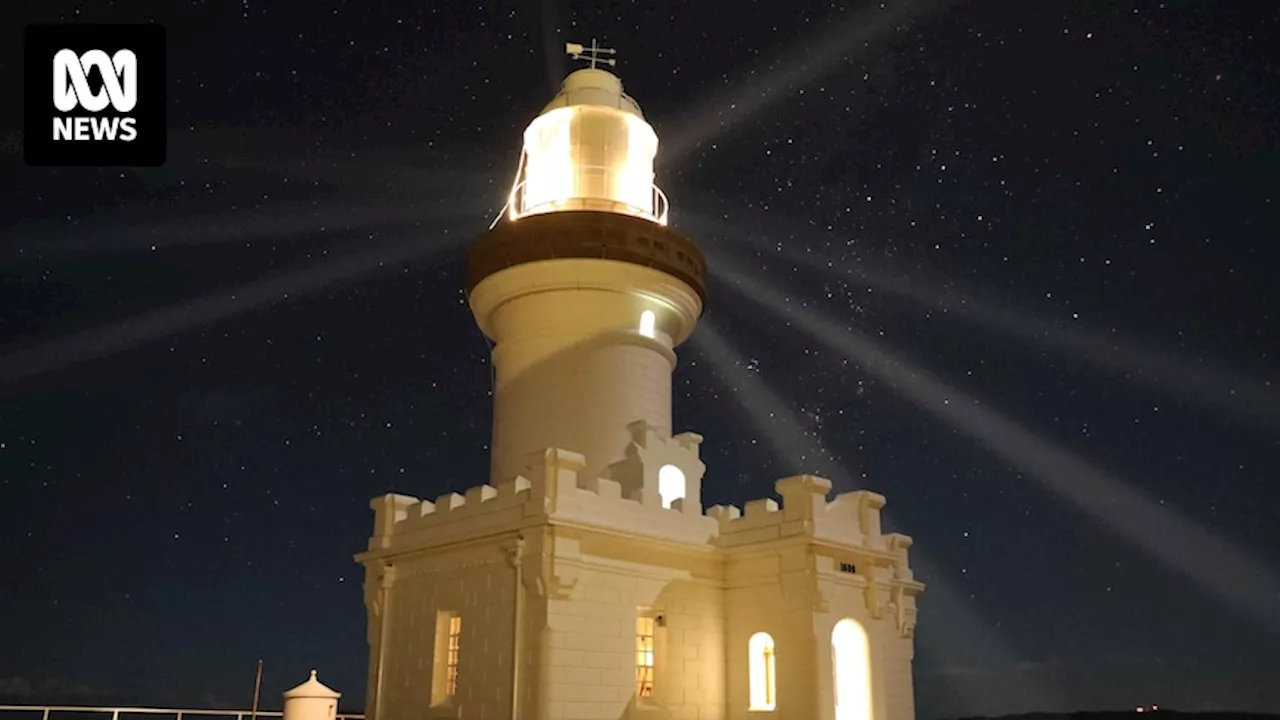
x,y
42,42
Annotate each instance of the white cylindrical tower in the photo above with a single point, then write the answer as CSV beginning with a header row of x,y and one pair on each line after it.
x,y
583,288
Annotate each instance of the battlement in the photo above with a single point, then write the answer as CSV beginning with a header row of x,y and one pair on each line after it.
x,y
553,489
400,516
851,518
627,499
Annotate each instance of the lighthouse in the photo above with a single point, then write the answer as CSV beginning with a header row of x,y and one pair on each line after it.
x,y
585,579
583,287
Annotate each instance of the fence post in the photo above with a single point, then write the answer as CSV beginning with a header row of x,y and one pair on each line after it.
x,y
46,713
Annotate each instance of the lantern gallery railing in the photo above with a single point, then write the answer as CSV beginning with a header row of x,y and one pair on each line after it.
x,y
595,191
60,712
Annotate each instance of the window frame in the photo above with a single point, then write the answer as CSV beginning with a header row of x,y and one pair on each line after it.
x,y
646,634
446,659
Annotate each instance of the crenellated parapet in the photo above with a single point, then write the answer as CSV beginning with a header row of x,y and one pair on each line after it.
x,y
627,501
651,450
403,520
851,549
851,518
846,529
553,489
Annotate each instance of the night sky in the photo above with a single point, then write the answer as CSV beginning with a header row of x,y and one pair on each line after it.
x,y
1010,263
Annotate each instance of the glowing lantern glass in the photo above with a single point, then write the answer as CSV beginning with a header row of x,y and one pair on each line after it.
x,y
585,157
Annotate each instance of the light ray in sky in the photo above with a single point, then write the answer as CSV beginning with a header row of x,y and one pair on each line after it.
x,y
1123,357
553,19
119,336
968,639
422,167
1218,566
52,239
803,66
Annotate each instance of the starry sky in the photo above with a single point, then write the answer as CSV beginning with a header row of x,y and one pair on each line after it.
x,y
1010,264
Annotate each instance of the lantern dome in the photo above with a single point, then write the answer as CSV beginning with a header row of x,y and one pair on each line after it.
x,y
590,149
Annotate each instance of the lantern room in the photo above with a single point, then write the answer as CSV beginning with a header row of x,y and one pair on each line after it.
x,y
590,149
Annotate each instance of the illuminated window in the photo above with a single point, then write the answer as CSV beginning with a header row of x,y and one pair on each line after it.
x,y
761,664
444,676
851,671
670,484
455,644
647,319
644,656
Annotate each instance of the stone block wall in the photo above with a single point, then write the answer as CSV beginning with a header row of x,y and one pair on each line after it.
x,y
477,583
591,632
598,551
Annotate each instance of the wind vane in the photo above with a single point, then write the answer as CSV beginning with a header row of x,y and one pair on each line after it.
x,y
578,52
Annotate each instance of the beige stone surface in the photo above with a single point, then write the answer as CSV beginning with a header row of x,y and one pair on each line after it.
x,y
595,557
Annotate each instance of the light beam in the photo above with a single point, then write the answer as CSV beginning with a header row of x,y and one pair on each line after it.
x,y
723,111
1222,569
116,337
780,426
46,240
1213,388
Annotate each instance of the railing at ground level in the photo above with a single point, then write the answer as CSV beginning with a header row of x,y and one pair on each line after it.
x,y
47,712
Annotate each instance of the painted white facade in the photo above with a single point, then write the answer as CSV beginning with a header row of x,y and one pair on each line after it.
x,y
586,580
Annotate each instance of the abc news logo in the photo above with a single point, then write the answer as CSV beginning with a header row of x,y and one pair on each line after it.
x,y
107,105
71,90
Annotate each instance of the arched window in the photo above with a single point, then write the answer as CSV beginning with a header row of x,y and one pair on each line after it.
x,y
762,666
851,670
647,320
670,484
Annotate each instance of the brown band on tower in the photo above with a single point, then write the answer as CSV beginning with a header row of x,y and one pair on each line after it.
x,y
587,234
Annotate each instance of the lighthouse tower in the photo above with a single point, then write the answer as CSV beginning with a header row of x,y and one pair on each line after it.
x,y
584,579
583,287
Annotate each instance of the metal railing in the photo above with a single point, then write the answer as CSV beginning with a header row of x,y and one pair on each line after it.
x,y
518,207
178,713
